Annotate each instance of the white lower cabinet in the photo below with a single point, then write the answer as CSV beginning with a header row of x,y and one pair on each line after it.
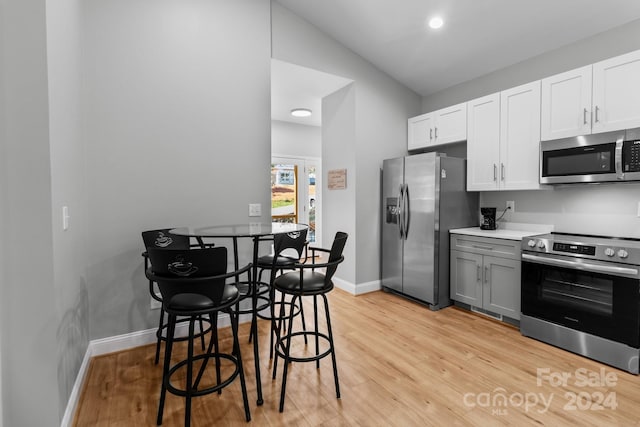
x,y
485,273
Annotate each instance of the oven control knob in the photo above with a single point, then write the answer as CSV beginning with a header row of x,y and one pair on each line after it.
x,y
541,244
609,252
622,253
531,243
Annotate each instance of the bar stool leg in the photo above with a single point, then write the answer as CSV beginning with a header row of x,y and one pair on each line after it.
x,y
333,349
171,326
315,319
189,388
236,344
287,352
159,335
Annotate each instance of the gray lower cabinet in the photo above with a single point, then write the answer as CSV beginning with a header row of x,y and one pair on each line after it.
x,y
485,273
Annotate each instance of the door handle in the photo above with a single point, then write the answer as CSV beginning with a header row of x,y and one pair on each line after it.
x,y
430,133
495,172
478,272
584,116
407,211
436,133
486,274
399,211
502,171
597,110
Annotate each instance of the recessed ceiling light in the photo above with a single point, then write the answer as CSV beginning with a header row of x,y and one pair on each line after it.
x,y
300,112
436,22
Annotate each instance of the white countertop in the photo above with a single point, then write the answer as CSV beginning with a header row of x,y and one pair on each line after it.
x,y
509,231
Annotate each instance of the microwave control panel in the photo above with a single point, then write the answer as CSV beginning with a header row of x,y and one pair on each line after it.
x,y
631,156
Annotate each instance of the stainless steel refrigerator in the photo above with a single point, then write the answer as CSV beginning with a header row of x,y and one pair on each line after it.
x,y
423,196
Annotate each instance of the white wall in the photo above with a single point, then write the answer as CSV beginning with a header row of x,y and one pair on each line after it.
x,y
605,209
177,132
28,315
382,107
295,140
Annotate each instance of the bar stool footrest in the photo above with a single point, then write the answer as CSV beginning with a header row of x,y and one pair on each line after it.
x,y
280,347
201,392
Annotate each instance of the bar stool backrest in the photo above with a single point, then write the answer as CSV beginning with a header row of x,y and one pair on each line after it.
x,y
194,271
335,255
164,240
290,244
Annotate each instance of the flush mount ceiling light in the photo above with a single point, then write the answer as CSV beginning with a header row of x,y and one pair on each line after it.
x,y
436,22
300,112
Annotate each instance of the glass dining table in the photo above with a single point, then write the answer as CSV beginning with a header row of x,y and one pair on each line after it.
x,y
256,231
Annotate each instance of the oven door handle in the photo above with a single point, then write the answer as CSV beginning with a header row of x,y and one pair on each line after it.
x,y
595,268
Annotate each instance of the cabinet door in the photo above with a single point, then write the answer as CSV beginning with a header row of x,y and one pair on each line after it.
x,y
566,104
450,124
466,277
420,131
520,137
501,290
483,143
616,89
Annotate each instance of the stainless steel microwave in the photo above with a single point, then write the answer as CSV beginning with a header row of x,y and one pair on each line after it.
x,y
603,157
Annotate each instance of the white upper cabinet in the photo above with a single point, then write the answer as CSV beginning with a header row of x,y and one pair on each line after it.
x,y
503,140
520,137
566,104
592,99
438,127
483,143
616,93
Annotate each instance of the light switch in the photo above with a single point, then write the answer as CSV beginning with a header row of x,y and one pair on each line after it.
x,y
65,218
255,209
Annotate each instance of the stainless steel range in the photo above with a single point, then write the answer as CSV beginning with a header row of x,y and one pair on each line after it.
x,y
582,293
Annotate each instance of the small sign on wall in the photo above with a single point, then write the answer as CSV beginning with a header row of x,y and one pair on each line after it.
x,y
337,179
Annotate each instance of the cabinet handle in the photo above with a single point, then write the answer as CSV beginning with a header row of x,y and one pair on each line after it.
x,y
430,133
584,116
478,274
436,133
486,248
495,172
502,171
486,274
597,109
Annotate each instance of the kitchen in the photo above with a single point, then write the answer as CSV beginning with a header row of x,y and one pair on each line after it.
x,y
84,280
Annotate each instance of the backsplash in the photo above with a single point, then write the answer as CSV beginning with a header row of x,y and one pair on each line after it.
x,y
599,209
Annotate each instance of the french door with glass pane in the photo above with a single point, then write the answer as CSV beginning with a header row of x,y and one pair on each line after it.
x,y
295,193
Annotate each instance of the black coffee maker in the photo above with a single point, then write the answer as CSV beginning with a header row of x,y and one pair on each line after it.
x,y
488,218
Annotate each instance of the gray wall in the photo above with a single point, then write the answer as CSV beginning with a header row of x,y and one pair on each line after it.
x,y
338,126
295,140
29,317
595,209
382,107
129,112
67,189
177,132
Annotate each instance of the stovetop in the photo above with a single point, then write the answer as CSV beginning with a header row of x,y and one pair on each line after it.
x,y
602,248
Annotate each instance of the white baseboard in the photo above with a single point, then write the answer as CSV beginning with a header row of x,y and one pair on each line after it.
x,y
359,289
119,343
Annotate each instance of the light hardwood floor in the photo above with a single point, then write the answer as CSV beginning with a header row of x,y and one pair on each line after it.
x,y
400,364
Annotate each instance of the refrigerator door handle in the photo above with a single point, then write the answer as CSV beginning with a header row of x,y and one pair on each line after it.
x,y
399,211
407,211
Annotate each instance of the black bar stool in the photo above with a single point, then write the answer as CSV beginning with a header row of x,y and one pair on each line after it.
x,y
195,283
304,282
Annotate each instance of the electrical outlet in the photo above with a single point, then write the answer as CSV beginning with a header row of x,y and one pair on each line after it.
x,y
511,205
255,209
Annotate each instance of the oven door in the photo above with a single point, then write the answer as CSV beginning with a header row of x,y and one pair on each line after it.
x,y
598,298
